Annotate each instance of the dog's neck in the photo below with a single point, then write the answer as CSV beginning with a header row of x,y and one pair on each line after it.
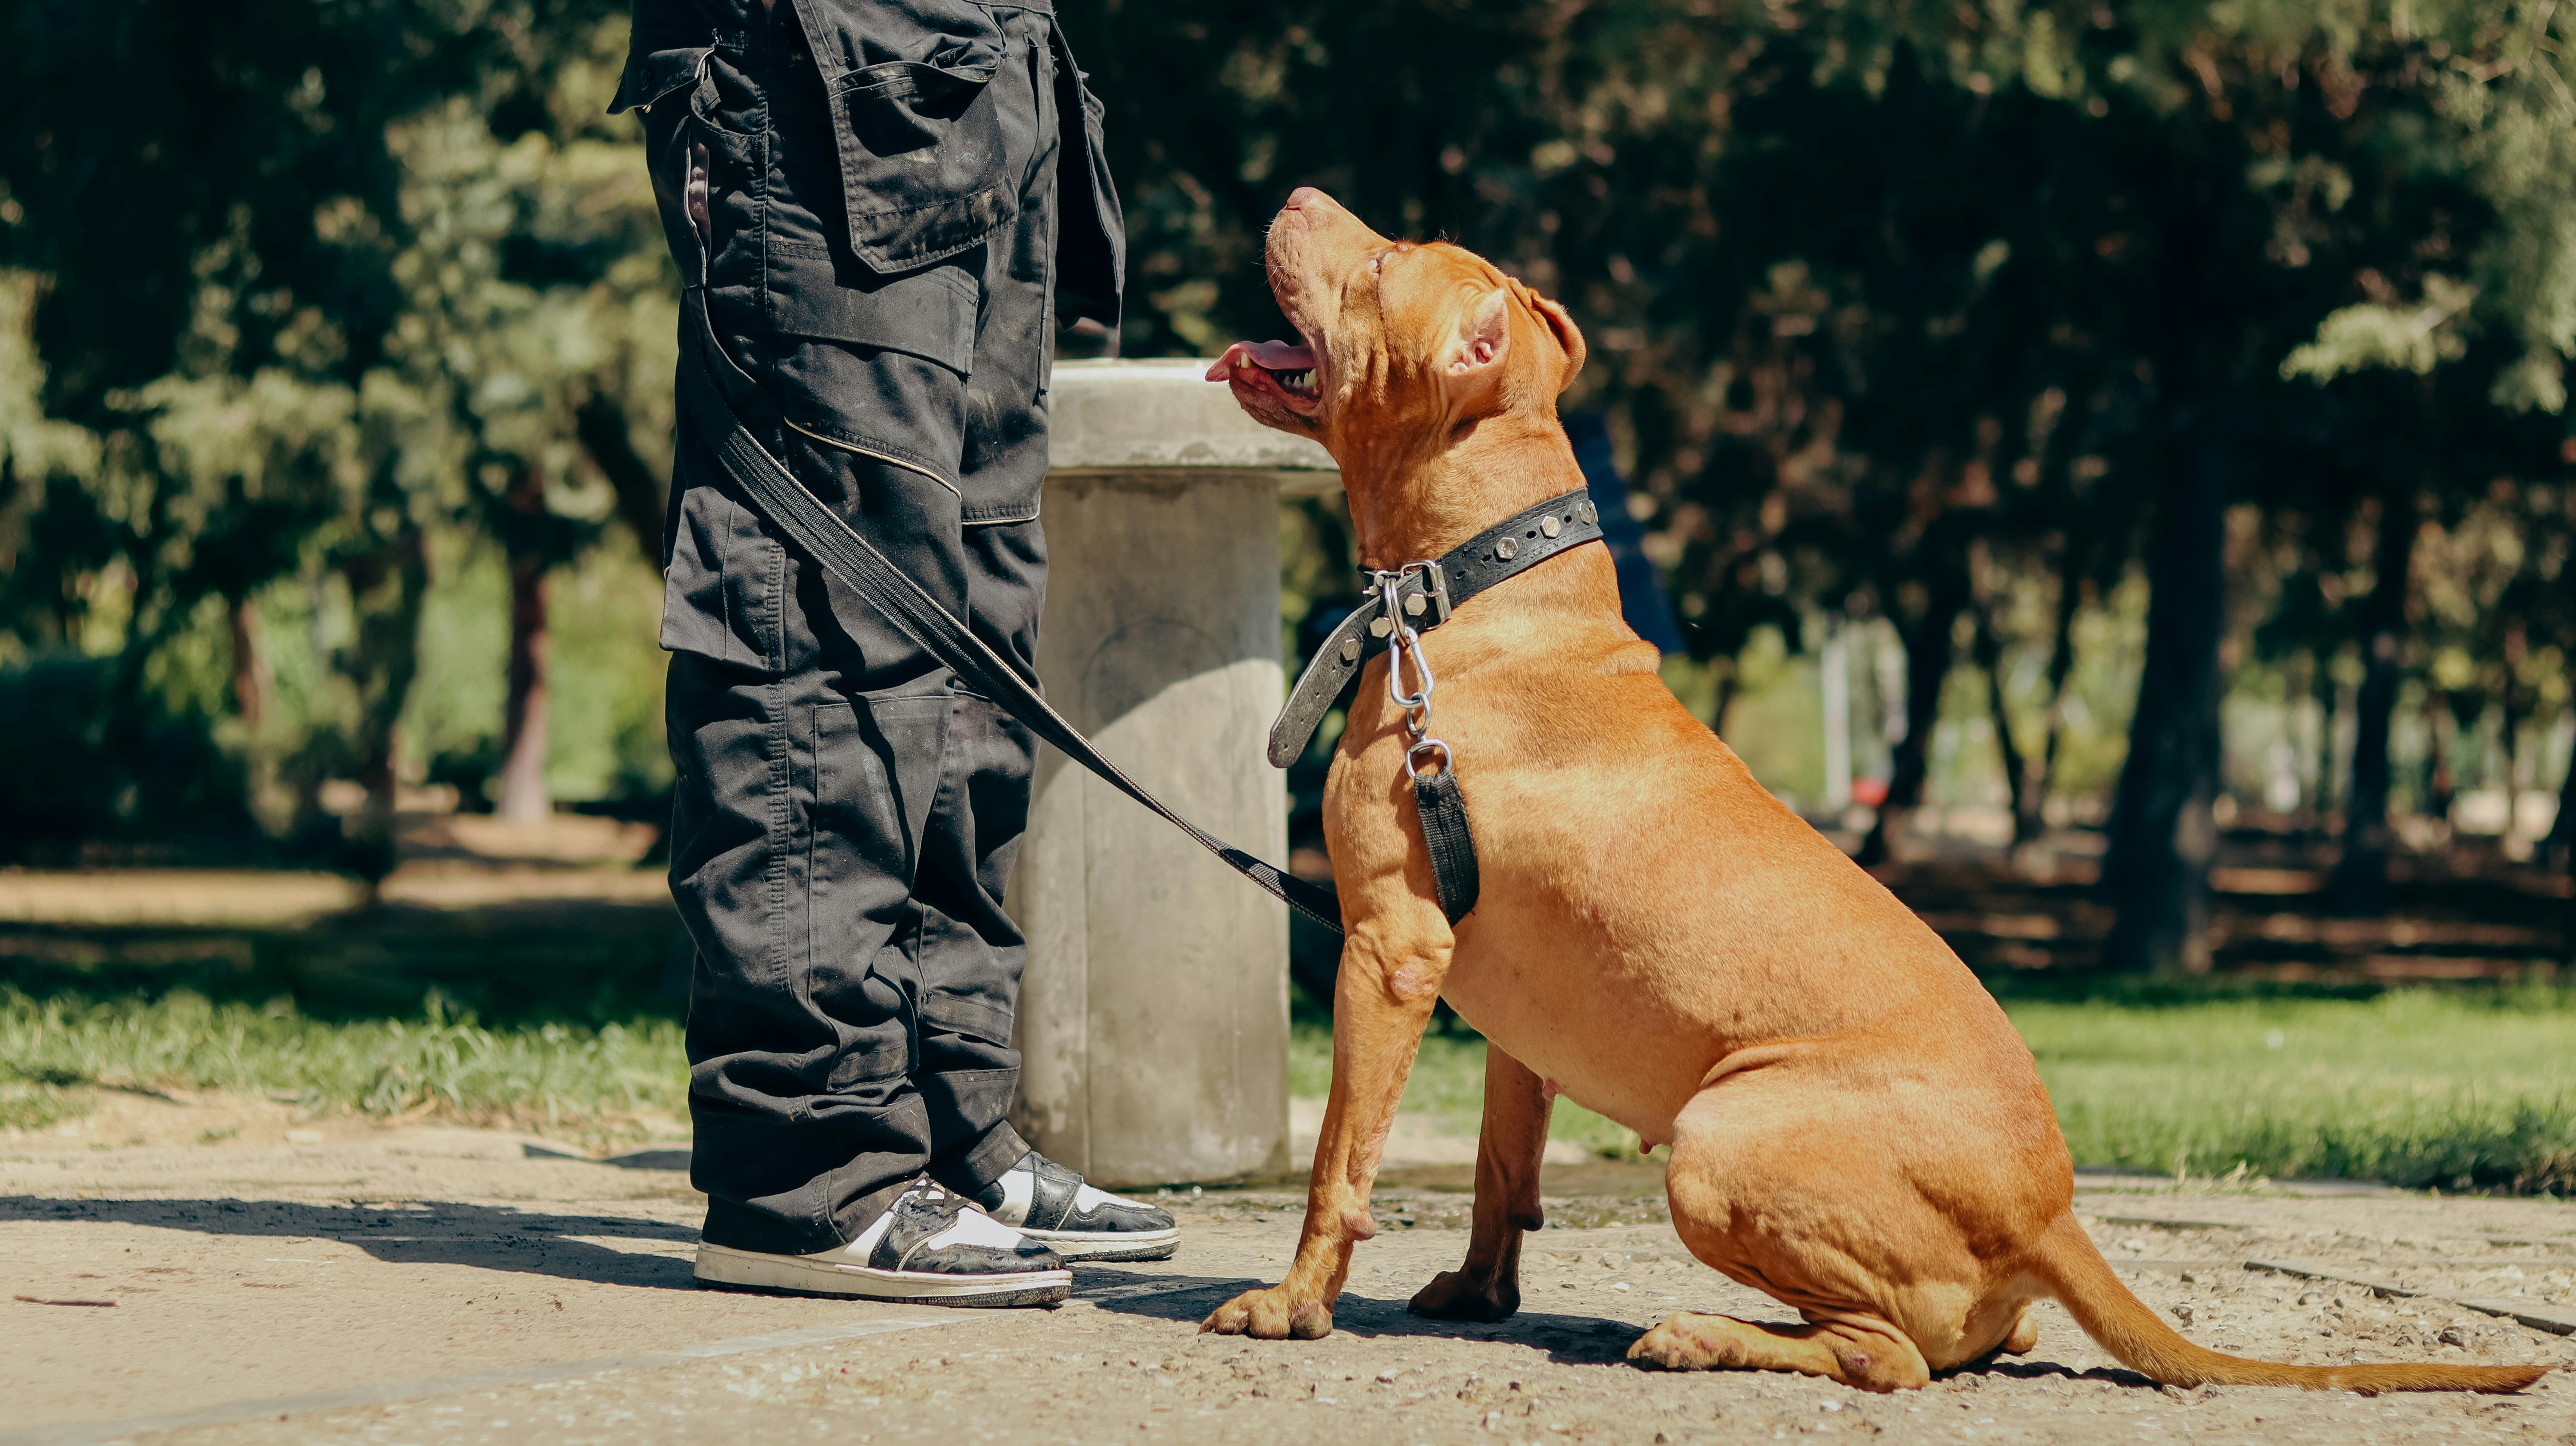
x,y
1415,504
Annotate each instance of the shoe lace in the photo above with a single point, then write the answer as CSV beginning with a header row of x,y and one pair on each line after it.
x,y
945,1202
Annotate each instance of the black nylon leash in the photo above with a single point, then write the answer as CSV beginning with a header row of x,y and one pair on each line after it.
x,y
856,563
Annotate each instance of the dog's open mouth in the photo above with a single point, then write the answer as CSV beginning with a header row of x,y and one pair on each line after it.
x,y
1277,370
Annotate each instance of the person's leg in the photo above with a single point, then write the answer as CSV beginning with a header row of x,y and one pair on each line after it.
x,y
966,946
808,736
967,949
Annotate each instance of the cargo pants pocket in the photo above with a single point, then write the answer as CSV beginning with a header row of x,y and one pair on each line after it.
x,y
1091,246
924,170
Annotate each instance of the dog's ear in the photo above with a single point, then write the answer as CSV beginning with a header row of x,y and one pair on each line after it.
x,y
1568,339
1472,366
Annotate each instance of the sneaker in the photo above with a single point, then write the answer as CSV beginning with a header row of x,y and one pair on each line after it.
x,y
1049,1204
931,1247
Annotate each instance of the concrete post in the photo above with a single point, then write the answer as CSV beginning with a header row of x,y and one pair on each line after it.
x,y
1153,1022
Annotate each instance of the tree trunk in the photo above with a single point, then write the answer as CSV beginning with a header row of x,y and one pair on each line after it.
x,y
2509,730
2361,875
2030,805
387,586
1833,675
1726,689
524,799
250,670
643,501
2441,788
2163,838
1927,666
2329,695
271,804
2559,845
1990,659
2512,744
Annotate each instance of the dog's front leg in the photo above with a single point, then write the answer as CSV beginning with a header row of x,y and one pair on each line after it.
x,y
1389,980
1488,1286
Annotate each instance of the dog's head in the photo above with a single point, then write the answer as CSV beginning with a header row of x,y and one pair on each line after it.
x,y
1401,345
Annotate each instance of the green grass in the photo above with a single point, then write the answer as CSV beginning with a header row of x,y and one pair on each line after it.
x,y
593,1082
2450,1089
2414,1087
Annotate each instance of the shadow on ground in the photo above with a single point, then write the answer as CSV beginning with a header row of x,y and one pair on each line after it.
x,y
1577,1340
411,1233
1568,1339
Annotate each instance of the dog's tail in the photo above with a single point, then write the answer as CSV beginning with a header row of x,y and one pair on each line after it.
x,y
2066,1259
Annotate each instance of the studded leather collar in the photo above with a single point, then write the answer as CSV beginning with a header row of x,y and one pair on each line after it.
x,y
1428,595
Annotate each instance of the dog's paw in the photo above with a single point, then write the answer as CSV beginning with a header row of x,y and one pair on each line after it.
x,y
1457,1295
1270,1314
1688,1342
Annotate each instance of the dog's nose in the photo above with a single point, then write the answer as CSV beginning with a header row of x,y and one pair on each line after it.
x,y
1307,198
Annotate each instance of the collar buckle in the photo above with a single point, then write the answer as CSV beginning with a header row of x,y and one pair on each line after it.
x,y
1427,608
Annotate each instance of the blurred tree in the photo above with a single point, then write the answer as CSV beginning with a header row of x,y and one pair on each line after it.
x,y
1896,312
326,276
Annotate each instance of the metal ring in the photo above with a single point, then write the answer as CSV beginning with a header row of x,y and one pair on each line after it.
x,y
1448,760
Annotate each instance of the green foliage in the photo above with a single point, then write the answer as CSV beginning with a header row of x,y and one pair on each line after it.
x,y
57,708
358,268
1901,313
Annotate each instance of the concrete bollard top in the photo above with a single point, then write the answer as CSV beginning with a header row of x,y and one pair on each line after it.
x,y
1129,416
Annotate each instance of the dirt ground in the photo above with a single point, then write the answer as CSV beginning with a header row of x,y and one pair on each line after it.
x,y
349,1281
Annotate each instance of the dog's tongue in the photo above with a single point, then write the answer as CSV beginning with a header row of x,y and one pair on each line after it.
x,y
1276,356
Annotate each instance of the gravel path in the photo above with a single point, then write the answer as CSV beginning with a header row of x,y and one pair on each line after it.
x,y
456,1286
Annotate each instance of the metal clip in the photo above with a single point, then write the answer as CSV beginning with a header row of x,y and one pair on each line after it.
x,y
1413,755
1403,643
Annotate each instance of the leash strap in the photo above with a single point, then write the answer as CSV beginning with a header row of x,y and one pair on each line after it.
x,y
853,561
1427,596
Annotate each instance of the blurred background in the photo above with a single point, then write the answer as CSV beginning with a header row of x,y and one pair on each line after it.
x,y
2106,464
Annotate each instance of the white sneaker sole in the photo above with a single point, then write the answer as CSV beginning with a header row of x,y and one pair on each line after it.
x,y
751,1270
1103,1246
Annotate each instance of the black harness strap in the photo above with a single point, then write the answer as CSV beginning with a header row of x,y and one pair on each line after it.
x,y
1452,844
855,562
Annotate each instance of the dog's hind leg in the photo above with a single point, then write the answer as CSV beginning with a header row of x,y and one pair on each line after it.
x,y
1488,1286
1785,1180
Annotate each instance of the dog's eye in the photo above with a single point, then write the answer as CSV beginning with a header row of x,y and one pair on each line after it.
x,y
1377,262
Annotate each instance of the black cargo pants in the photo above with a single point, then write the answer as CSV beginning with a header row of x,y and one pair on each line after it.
x,y
886,215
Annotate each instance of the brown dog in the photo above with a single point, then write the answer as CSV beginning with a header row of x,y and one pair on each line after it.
x,y
1855,1127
